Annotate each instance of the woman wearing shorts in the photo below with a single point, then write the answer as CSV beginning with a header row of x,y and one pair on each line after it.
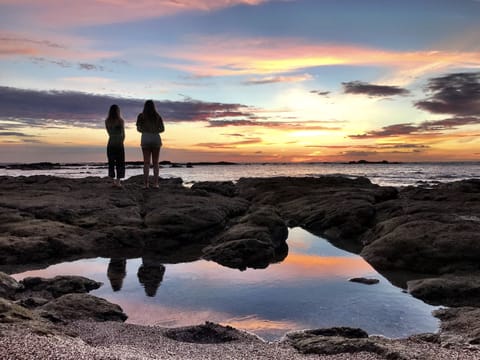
x,y
150,124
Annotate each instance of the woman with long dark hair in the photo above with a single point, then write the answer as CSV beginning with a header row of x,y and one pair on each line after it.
x,y
150,124
115,151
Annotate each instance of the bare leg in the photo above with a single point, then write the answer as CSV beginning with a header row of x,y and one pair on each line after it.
x,y
155,156
146,165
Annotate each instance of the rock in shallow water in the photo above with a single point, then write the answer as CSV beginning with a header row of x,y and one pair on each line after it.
x,y
364,281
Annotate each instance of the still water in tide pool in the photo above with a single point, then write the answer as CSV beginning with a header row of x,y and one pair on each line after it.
x,y
309,289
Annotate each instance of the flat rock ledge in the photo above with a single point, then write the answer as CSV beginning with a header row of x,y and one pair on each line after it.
x,y
431,233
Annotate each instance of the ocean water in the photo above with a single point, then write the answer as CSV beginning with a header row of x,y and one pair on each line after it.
x,y
309,289
402,174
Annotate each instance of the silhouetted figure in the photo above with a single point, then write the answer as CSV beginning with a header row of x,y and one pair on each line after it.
x,y
150,274
116,272
150,124
115,151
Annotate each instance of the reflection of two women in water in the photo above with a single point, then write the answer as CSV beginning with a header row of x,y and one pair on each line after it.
x,y
150,274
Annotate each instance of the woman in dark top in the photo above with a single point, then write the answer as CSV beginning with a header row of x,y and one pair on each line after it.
x,y
115,150
150,124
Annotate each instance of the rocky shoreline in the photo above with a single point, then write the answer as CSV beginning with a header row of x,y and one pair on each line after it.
x,y
424,240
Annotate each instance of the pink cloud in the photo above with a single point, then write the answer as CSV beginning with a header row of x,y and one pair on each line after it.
x,y
58,46
94,12
216,56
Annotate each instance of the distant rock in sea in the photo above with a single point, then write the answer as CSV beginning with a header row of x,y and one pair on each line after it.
x,y
365,281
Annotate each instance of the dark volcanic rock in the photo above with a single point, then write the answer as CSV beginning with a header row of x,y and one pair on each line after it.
x,y
44,218
425,231
8,286
208,333
32,302
333,206
340,341
255,240
365,281
59,285
347,332
225,188
448,290
11,312
459,325
81,306
428,230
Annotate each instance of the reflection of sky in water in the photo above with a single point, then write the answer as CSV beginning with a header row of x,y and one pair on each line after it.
x,y
309,289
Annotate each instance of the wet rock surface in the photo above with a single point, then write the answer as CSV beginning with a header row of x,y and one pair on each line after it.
x,y
8,286
427,230
431,232
449,290
81,306
39,302
208,333
344,340
459,326
57,286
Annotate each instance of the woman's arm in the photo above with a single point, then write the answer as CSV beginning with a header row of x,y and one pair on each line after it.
x,y
140,121
161,126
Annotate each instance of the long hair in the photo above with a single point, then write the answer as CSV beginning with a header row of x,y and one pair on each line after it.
x,y
149,111
113,119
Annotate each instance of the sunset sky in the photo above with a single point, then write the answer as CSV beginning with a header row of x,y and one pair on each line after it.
x,y
243,80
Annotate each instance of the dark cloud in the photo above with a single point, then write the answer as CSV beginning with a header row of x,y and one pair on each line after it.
x,y
321,93
234,135
457,94
403,146
425,127
272,124
42,60
230,145
239,122
56,109
359,87
451,123
66,64
14,133
359,153
70,108
382,146
386,131
32,141
90,67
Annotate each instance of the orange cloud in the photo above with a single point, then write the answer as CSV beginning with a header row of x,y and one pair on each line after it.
x,y
216,56
93,12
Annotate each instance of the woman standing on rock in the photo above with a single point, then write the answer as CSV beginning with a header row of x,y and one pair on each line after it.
x,y
115,151
150,124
